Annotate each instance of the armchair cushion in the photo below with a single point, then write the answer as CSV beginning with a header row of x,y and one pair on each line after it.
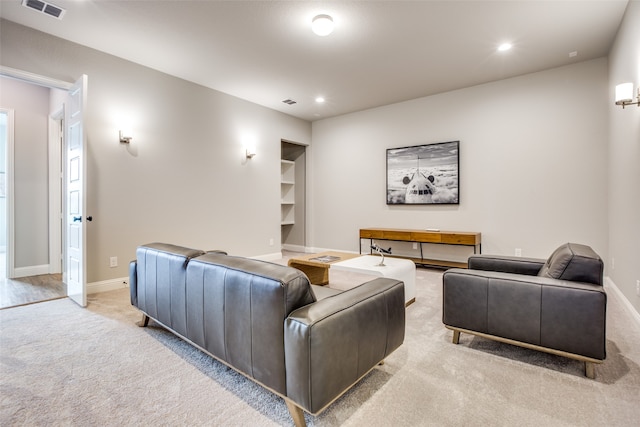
x,y
574,262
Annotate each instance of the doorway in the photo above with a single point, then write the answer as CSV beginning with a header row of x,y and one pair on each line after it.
x,y
27,279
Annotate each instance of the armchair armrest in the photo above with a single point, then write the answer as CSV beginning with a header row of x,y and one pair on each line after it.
x,y
506,264
332,343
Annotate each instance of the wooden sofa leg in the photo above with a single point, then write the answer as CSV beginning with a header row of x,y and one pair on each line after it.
x,y
296,414
144,322
456,337
589,370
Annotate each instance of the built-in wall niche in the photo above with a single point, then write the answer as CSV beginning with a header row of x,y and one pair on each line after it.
x,y
292,196
287,192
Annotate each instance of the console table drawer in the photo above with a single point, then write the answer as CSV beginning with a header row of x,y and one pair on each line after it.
x,y
426,237
461,239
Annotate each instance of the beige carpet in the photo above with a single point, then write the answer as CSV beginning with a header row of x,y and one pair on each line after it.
x,y
62,365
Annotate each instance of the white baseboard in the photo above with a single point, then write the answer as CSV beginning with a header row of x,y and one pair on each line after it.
x,y
294,248
269,257
609,284
318,250
107,285
34,270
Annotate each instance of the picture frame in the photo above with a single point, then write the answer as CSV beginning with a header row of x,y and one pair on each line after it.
x,y
427,174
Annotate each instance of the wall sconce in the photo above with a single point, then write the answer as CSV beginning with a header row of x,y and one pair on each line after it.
x,y
624,95
250,153
126,136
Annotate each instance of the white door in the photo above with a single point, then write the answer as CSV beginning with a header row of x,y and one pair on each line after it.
x,y
75,206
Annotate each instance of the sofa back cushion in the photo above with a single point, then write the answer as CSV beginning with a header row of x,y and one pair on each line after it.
x,y
574,262
161,278
236,308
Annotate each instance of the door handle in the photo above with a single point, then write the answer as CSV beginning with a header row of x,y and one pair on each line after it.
x,y
79,218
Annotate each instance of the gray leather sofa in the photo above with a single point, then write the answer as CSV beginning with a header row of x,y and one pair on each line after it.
x,y
557,306
267,322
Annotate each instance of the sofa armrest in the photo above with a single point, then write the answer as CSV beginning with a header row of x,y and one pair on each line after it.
x,y
133,282
552,313
332,343
506,264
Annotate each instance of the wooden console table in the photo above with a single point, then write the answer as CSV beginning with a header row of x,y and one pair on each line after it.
x,y
463,238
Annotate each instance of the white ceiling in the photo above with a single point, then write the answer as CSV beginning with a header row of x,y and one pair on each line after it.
x,y
380,52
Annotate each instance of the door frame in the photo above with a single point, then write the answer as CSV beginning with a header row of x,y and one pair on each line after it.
x,y
8,185
55,194
56,133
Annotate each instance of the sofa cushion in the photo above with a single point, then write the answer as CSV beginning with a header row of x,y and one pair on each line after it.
x,y
322,292
574,262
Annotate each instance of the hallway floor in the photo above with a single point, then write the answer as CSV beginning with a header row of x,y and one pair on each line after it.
x,y
28,290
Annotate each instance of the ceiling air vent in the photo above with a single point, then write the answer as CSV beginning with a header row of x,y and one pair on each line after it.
x,y
44,7
289,101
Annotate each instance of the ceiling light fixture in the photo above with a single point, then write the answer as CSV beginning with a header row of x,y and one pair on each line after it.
x,y
504,47
322,25
319,100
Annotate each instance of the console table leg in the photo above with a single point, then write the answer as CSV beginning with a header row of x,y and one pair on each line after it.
x,y
456,337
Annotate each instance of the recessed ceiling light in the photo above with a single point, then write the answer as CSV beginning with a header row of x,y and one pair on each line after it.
x,y
320,99
322,25
504,47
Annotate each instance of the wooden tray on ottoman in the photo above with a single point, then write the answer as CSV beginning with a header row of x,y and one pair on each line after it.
x,y
316,266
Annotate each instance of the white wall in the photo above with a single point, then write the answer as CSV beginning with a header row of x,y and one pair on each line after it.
x,y
31,110
624,160
533,163
183,178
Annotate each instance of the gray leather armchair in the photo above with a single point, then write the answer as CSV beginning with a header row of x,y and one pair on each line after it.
x,y
556,306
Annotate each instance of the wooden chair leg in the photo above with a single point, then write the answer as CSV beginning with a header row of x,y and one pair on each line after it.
x,y
589,370
296,413
456,337
144,322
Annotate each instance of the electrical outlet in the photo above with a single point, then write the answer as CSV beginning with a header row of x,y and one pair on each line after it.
x,y
613,263
415,245
518,251
271,241
113,261
638,287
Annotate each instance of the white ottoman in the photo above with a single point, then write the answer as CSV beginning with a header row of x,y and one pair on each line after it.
x,y
394,268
